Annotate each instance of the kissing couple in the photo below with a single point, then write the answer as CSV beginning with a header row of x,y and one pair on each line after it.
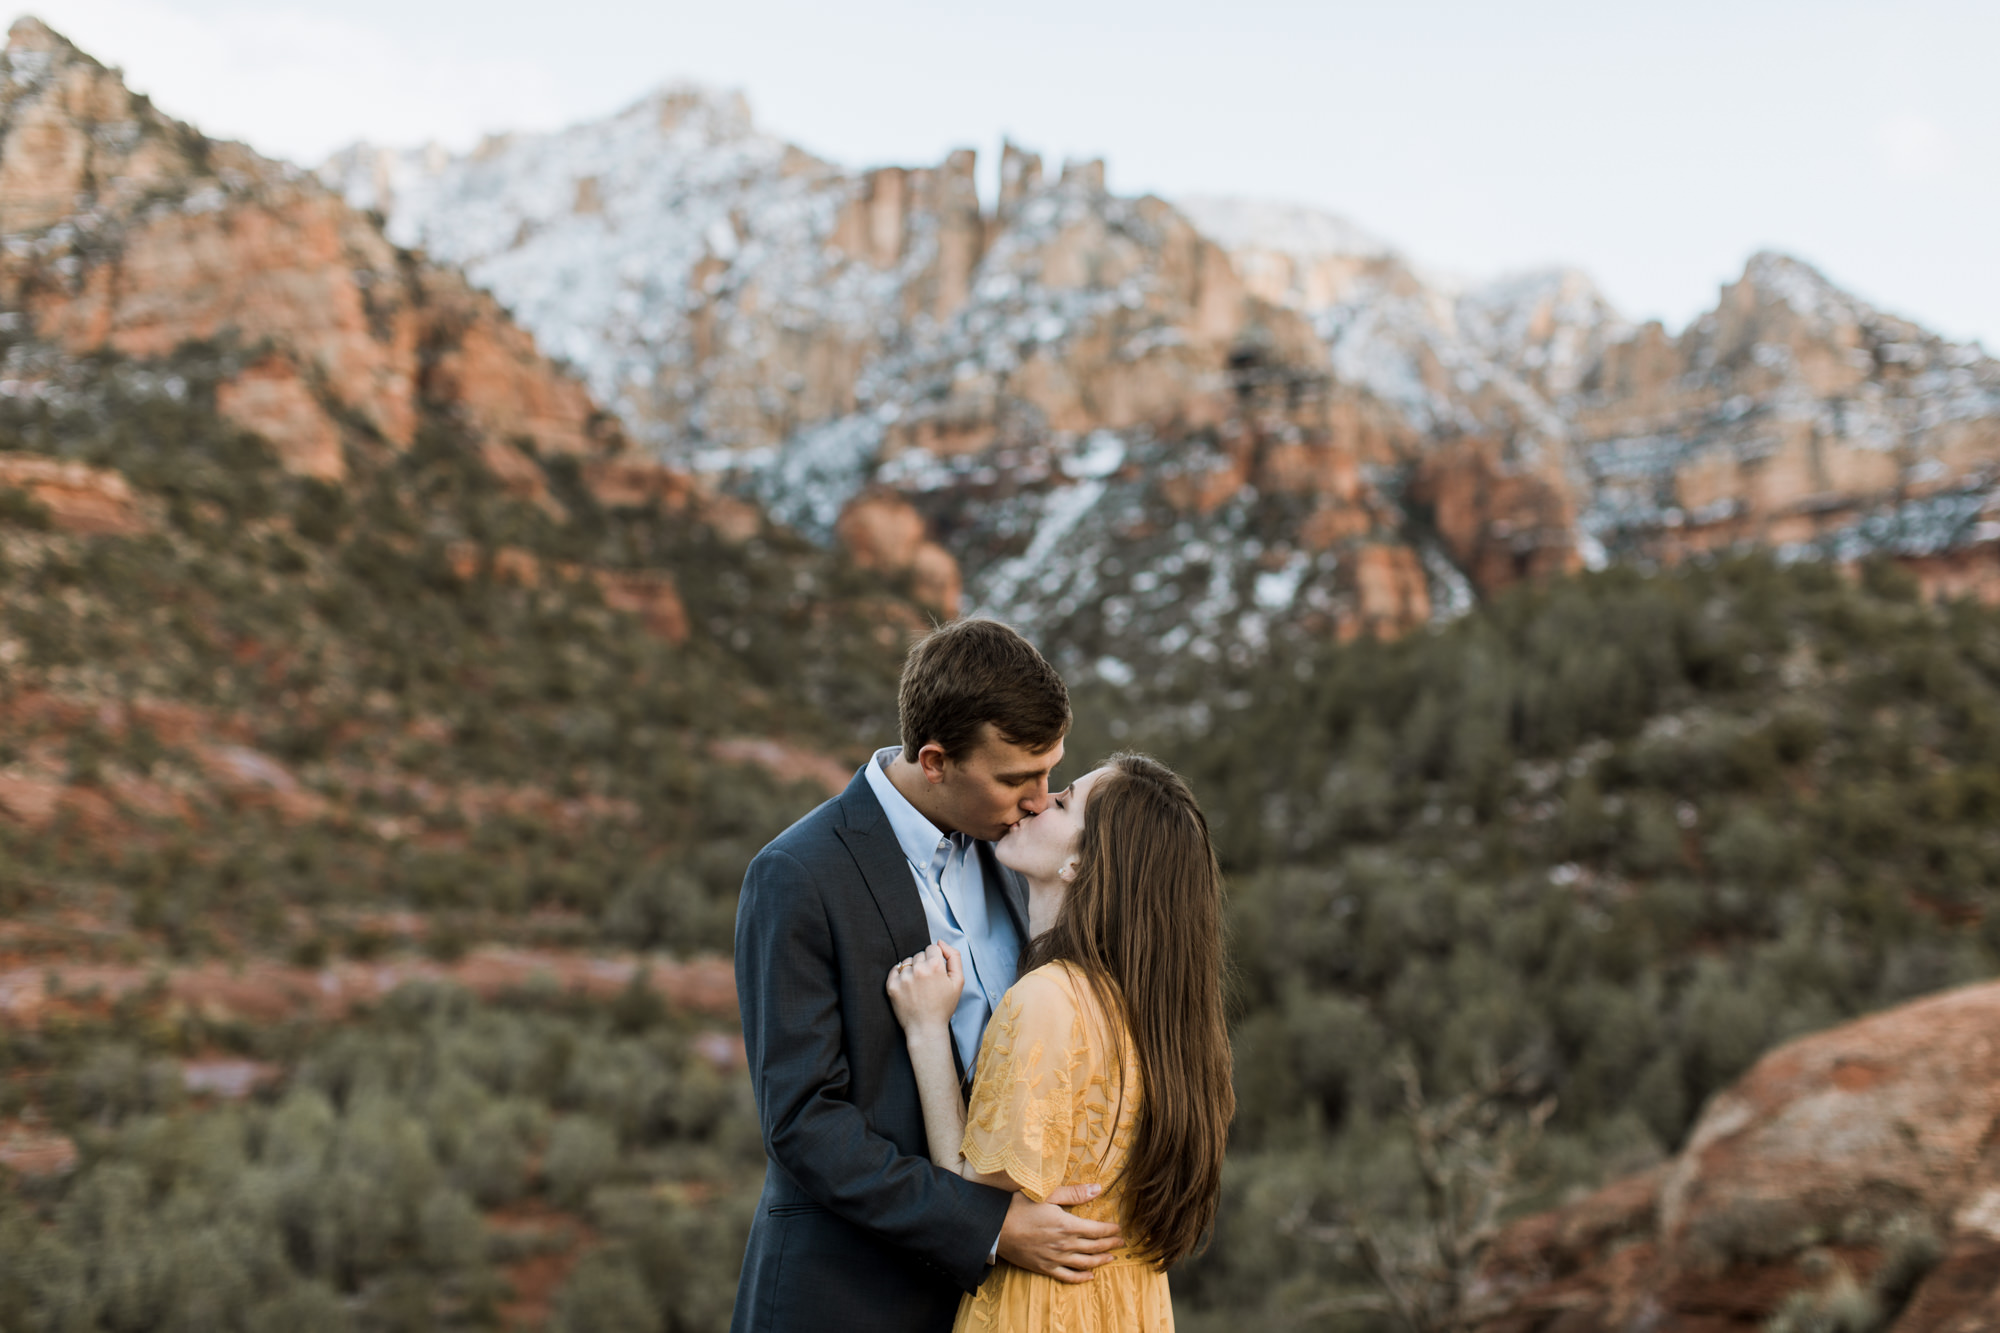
x,y
984,1024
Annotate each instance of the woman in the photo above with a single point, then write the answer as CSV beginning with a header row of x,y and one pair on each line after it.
x,y
1107,1063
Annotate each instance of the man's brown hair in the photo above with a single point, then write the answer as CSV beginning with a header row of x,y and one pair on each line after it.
x,y
968,673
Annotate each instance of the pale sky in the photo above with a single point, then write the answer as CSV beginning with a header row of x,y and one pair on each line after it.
x,y
1654,146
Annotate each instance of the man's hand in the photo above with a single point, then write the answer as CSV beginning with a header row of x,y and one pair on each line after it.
x,y
1044,1238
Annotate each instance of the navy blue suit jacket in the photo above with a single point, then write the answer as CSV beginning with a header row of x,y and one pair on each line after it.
x,y
856,1228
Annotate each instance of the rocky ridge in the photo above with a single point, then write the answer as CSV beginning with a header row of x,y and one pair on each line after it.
x,y
1073,398
1329,438
129,233
1792,416
280,500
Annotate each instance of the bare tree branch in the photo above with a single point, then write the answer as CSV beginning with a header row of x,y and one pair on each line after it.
x,y
1468,1153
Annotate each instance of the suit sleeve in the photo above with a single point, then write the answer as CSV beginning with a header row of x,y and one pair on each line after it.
x,y
787,985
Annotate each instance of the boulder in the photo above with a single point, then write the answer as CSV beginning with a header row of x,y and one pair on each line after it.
x,y
78,498
1870,1152
884,532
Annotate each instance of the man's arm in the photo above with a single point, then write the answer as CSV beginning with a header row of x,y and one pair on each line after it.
x,y
786,977
1045,1238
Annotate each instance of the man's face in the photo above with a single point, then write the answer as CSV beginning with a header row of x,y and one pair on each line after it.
x,y
989,788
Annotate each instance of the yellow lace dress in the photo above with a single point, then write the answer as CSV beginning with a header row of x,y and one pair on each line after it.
x,y
1050,1108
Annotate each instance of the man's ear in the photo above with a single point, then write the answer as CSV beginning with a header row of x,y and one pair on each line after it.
x,y
932,760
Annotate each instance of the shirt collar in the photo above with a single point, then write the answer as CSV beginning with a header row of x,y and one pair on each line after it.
x,y
917,836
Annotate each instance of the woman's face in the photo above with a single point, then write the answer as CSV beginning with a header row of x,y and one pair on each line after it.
x,y
1040,845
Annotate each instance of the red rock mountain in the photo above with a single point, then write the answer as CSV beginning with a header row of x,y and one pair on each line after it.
x,y
1140,426
129,232
1072,396
1144,431
157,288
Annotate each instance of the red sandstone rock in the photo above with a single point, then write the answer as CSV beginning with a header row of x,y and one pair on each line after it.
x,y
30,801
1391,593
881,532
935,580
1802,410
786,762
79,499
267,991
272,400
731,519
168,245
32,1150
649,594
1972,571
491,369
1501,521
1893,1111
885,532
1835,1142
636,483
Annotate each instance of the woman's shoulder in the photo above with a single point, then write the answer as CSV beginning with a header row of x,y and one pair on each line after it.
x,y
1058,986
1056,1004
1059,976
1051,984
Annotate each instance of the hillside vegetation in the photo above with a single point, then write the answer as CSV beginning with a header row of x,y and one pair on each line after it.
x,y
1615,834
284,699
414,1171
267,718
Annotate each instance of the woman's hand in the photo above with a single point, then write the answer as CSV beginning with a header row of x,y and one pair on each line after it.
x,y
924,989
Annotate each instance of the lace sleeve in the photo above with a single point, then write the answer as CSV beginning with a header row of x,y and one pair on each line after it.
x,y
1031,1066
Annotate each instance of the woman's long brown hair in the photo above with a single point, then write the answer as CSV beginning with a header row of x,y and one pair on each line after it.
x,y
1143,922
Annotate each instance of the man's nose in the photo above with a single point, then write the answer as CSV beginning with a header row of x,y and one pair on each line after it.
x,y
1038,802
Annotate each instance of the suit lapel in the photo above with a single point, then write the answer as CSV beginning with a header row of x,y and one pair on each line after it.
x,y
873,845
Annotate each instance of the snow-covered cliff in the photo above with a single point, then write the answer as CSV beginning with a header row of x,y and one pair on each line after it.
x,y
1244,416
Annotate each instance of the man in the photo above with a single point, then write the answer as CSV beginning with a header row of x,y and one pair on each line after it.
x,y
856,1229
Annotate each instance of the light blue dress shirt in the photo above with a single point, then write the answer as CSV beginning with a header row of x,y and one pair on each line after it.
x,y
963,909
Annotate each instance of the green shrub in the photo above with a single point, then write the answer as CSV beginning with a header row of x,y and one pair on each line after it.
x,y
604,1295
583,1153
20,509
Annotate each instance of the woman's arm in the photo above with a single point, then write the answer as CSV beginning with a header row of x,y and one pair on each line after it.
x,y
924,992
